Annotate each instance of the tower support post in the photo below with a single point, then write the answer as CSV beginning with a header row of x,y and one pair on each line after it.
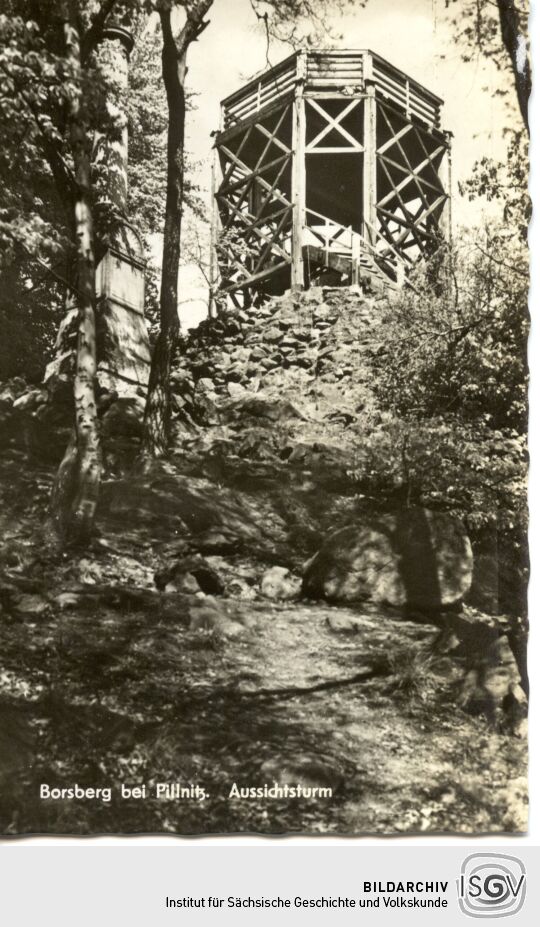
x,y
369,185
445,174
213,269
298,176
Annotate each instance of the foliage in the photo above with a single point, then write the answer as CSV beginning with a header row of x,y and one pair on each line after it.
x,y
477,28
237,248
31,111
496,31
457,345
34,223
505,182
411,673
467,469
31,307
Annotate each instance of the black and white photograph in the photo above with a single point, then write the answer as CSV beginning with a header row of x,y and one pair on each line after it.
x,y
264,279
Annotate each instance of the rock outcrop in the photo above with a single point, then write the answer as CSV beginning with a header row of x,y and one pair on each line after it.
x,y
414,558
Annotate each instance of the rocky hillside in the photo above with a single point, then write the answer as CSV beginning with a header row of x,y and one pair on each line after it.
x,y
247,613
312,349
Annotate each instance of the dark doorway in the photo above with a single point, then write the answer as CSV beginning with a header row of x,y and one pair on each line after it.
x,y
334,187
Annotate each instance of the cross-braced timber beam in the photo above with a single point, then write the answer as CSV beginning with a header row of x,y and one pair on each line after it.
x,y
254,204
411,196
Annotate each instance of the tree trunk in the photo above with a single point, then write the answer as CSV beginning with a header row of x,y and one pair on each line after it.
x,y
158,404
516,45
76,490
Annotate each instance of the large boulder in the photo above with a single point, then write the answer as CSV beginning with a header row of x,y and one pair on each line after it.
x,y
414,558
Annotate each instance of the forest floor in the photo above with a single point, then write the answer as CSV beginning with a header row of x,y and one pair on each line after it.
x,y
104,680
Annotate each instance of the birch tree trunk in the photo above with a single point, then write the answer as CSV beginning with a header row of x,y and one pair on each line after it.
x,y
76,490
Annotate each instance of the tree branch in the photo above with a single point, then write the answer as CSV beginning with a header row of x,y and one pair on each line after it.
x,y
263,17
511,267
194,25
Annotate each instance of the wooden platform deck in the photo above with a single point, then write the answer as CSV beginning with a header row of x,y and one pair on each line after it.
x,y
324,72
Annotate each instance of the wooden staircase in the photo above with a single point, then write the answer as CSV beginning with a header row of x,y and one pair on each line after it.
x,y
344,269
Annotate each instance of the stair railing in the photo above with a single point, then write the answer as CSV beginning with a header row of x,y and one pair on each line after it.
x,y
333,237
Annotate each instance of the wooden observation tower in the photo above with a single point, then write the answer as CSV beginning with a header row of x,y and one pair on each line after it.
x,y
333,165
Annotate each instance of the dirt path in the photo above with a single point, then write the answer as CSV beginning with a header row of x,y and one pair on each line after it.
x,y
112,698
